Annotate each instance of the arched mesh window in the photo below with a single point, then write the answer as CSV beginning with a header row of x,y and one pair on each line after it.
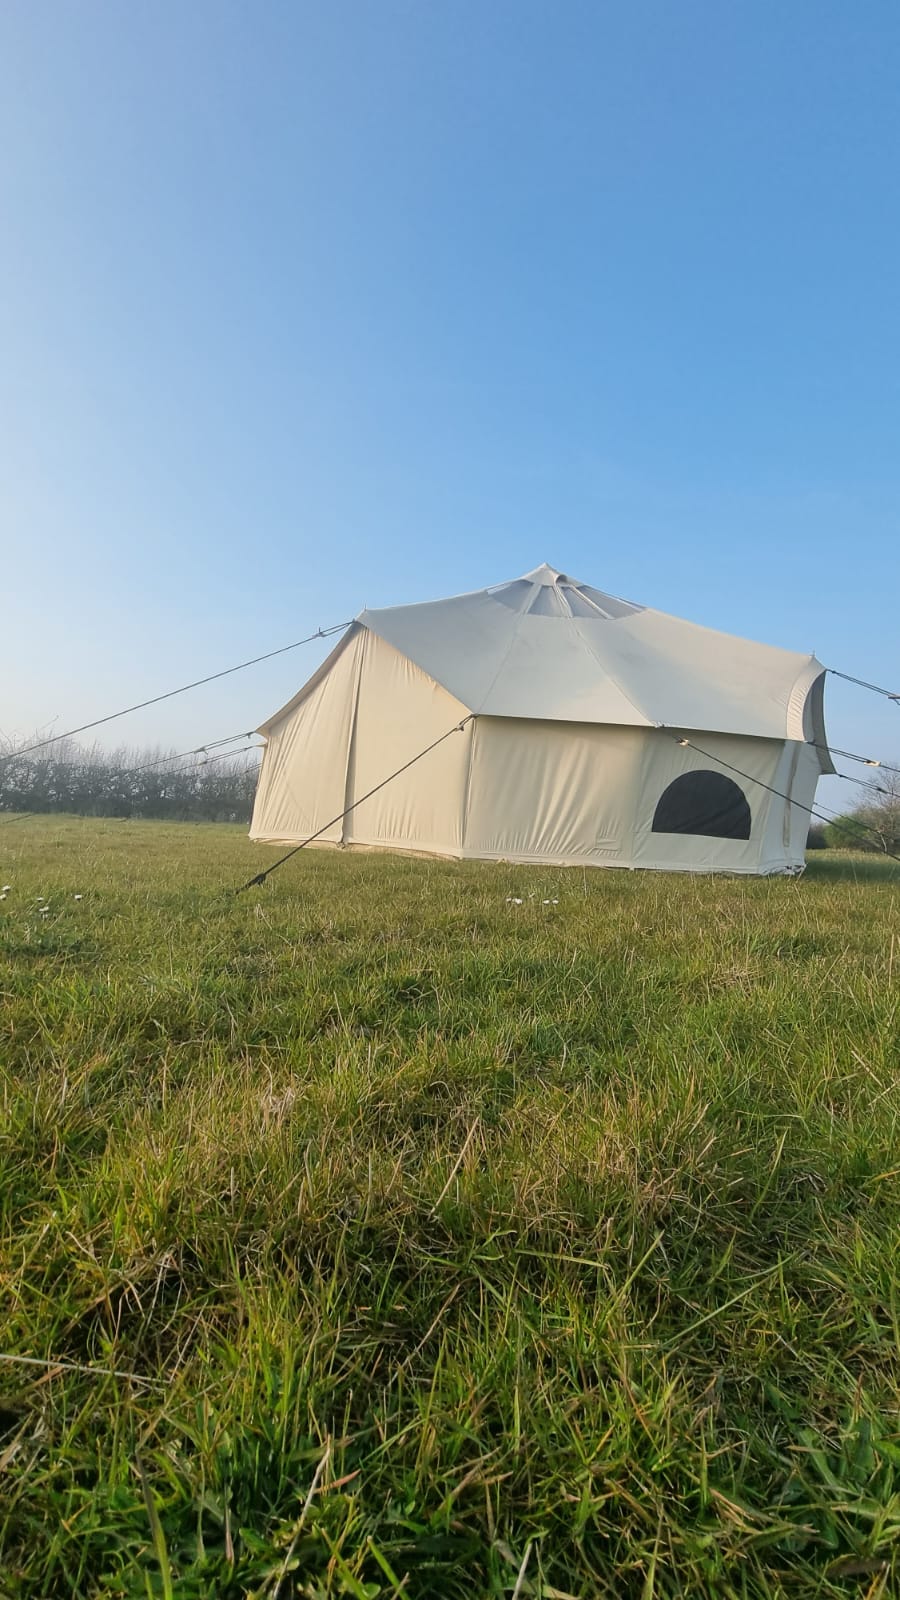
x,y
708,803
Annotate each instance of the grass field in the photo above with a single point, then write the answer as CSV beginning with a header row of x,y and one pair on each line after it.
x,y
425,1244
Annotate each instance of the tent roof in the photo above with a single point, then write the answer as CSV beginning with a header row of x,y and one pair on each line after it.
x,y
546,646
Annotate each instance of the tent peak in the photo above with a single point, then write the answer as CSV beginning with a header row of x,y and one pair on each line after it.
x,y
549,593
546,575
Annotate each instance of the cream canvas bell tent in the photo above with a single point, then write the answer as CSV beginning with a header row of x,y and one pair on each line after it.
x,y
580,729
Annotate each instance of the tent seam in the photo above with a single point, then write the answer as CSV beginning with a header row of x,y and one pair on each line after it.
x,y
649,721
351,743
503,660
467,792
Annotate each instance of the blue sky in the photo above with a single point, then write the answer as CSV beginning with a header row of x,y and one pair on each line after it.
x,y
306,307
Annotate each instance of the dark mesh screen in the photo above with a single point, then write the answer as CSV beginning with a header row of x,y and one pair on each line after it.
x,y
703,802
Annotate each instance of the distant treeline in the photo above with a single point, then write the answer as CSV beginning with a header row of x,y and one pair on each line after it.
x,y
129,783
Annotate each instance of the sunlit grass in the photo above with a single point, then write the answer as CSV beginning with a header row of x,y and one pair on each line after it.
x,y
432,1244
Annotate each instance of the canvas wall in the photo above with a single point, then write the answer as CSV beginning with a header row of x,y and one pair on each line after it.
x,y
520,789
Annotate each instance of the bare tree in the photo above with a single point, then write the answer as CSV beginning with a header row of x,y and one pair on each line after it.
x,y
875,822
882,810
